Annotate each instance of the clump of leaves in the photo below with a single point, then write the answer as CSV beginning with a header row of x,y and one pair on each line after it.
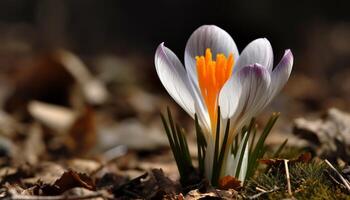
x,y
308,181
247,137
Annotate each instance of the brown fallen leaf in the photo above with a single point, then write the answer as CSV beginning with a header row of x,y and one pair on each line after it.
x,y
110,181
40,77
82,135
55,117
33,147
229,182
151,185
83,165
93,89
13,175
303,158
69,179
125,132
44,172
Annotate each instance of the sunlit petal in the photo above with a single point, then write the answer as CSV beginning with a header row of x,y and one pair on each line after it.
x,y
232,161
244,165
229,97
255,80
281,73
203,115
173,76
209,157
258,51
207,36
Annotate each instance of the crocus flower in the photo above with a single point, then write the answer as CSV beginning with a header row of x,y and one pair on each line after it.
x,y
216,75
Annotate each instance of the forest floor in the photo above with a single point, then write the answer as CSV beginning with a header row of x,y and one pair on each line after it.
x,y
66,133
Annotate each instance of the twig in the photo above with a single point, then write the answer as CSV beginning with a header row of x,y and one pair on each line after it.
x,y
263,192
346,183
288,177
260,189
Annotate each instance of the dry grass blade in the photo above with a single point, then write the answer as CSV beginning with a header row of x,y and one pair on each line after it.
x,y
345,182
288,177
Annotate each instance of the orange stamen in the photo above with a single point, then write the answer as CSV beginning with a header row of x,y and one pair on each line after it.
x,y
212,76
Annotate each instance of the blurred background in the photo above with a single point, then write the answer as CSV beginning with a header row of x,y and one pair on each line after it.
x,y
86,66
103,32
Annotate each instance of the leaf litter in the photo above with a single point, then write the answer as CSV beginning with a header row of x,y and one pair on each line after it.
x,y
78,141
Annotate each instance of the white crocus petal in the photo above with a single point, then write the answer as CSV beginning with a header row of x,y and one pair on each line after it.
x,y
207,36
232,161
244,166
230,165
229,96
255,80
209,157
204,119
173,76
258,51
200,108
281,73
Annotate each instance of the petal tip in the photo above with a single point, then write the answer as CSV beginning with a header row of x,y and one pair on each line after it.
x,y
264,40
288,57
208,26
288,53
160,47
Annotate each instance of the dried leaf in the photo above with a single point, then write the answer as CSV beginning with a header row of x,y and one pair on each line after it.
x,y
93,89
126,131
45,173
34,145
55,117
152,185
42,78
83,165
110,181
82,135
229,182
327,136
303,158
12,175
69,180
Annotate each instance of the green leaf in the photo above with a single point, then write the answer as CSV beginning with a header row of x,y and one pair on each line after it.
x,y
280,148
215,173
201,146
259,149
252,142
179,146
241,153
171,142
224,146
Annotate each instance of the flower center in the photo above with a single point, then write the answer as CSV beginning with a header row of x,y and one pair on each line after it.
x,y
212,76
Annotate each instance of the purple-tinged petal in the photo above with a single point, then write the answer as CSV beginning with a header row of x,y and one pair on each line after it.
x,y
255,80
281,73
231,165
258,51
174,78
